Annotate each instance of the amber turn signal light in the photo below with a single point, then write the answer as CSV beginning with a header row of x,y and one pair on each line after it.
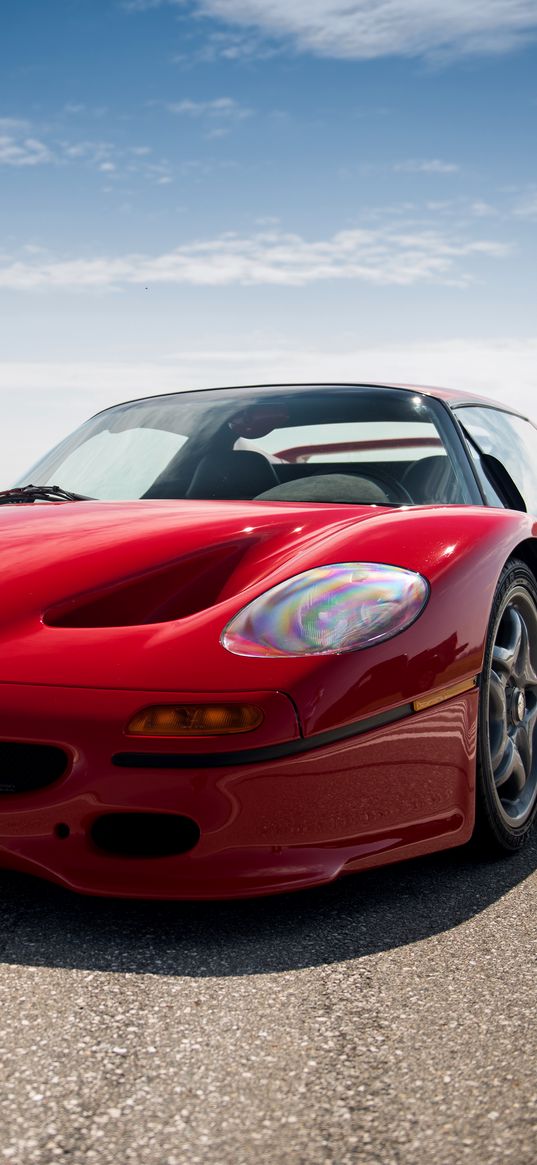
x,y
195,720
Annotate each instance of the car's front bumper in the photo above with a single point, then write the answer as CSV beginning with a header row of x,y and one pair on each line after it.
x,y
265,825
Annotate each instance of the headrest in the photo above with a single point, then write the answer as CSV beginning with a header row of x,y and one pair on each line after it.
x,y
327,487
242,473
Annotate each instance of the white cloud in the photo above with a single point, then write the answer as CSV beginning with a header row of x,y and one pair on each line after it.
x,y
482,209
23,151
12,124
93,153
144,5
22,145
388,255
364,29
221,108
42,402
229,46
75,108
426,166
527,206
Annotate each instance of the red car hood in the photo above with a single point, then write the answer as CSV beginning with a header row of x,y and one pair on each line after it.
x,y
135,595
125,594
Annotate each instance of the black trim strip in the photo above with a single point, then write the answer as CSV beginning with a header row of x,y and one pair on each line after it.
x,y
248,756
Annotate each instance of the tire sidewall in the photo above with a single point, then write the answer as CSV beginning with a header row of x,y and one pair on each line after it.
x,y
491,827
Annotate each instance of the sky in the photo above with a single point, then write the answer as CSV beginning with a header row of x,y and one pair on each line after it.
x,y
210,192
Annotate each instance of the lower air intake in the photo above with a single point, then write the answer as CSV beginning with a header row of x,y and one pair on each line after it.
x,y
27,767
145,835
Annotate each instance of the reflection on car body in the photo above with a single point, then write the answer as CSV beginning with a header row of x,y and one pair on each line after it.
x,y
256,638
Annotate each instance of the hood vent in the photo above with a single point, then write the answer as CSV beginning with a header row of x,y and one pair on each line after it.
x,y
174,591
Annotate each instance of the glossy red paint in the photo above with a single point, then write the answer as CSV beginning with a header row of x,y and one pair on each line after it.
x,y
293,822
60,557
106,608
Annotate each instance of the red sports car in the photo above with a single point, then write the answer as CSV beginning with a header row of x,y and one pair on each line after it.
x,y
255,638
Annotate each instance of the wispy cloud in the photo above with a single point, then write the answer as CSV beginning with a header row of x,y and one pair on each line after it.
x,y
364,29
220,109
389,255
218,116
144,5
426,166
60,395
110,159
95,153
228,45
526,207
24,151
25,145
76,108
482,209
14,124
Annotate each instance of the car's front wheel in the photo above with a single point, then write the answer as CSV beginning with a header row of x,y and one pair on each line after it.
x,y
506,757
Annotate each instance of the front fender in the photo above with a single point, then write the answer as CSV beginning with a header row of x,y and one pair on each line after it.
x,y
461,551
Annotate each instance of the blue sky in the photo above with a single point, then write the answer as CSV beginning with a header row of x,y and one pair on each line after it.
x,y
218,191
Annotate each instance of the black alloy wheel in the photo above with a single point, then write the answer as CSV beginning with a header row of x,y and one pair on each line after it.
x,y
506,756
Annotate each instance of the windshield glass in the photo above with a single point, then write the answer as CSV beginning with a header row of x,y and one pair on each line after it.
x,y
333,444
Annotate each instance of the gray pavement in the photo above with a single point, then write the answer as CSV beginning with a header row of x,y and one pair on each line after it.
x,y
389,1018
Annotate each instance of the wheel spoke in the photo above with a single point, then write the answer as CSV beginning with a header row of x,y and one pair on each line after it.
x,y
524,745
510,771
523,669
504,656
530,719
519,775
509,763
497,699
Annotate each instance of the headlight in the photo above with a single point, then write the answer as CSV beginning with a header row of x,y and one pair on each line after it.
x,y
329,610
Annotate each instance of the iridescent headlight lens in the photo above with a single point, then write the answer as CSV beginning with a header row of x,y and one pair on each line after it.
x,y
329,610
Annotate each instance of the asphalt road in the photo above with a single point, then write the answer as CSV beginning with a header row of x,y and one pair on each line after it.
x,y
389,1018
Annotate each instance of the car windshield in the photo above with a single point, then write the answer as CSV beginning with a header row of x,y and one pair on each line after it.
x,y
318,444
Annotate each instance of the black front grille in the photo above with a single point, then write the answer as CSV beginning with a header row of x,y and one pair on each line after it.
x,y
26,767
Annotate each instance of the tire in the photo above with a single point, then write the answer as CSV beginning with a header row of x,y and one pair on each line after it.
x,y
506,796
